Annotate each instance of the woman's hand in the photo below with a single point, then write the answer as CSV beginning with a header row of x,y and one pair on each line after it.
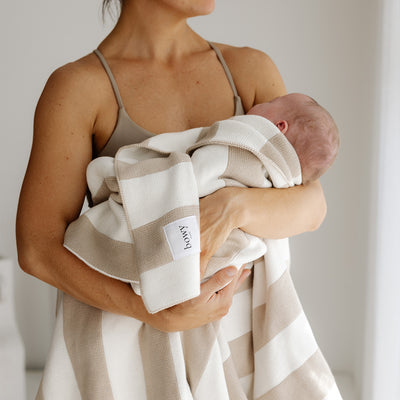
x,y
217,220
212,304
218,217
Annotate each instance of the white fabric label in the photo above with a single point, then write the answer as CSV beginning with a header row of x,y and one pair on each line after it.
x,y
183,237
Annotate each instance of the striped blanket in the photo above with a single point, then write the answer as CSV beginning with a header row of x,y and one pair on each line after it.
x,y
144,227
263,349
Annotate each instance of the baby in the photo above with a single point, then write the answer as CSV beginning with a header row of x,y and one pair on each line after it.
x,y
308,127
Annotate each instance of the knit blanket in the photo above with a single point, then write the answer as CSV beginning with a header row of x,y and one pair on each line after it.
x,y
144,226
263,349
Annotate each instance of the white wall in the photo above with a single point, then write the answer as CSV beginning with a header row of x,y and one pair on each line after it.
x,y
382,345
323,48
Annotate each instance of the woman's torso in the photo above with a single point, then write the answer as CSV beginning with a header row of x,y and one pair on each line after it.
x,y
196,94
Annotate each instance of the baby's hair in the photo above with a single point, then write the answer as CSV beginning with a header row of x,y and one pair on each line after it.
x,y
317,147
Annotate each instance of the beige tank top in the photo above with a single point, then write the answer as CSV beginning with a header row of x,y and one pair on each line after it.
x,y
126,131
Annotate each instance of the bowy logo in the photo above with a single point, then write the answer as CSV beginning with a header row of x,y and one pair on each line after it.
x,y
186,236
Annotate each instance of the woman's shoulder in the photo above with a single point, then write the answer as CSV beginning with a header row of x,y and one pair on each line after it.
x,y
255,74
78,75
75,88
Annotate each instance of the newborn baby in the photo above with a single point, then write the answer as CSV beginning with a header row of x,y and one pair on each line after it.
x,y
308,127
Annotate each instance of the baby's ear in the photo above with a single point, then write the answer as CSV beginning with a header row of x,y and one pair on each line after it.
x,y
283,126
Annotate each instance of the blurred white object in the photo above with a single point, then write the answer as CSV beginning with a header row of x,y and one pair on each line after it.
x,y
12,353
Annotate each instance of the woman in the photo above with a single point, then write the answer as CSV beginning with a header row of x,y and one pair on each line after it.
x,y
167,78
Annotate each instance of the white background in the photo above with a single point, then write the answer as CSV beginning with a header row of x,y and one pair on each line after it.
x,y
328,49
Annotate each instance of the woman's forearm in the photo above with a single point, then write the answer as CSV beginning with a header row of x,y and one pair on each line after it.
x,y
58,267
278,213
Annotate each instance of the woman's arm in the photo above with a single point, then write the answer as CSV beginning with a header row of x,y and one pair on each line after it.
x,y
267,213
274,213
52,195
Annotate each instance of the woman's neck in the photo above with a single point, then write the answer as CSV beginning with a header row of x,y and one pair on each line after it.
x,y
150,30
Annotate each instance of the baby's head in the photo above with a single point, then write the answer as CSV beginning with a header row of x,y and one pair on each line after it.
x,y
308,127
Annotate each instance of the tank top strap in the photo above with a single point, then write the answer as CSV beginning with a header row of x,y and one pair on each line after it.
x,y
110,76
226,68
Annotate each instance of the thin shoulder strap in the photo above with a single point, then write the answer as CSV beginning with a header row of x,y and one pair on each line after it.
x,y
225,66
110,76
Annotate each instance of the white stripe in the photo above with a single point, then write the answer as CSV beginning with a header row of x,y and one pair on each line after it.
x,y
238,321
123,358
107,218
141,195
212,385
247,385
179,365
254,249
59,380
224,348
262,125
277,258
334,394
208,178
238,132
286,352
97,171
170,284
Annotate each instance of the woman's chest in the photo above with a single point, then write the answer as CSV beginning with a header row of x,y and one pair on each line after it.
x,y
166,99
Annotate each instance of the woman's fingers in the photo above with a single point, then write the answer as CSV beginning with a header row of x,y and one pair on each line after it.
x,y
212,304
218,281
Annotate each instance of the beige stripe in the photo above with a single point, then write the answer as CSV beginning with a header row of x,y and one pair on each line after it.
x,y
150,166
83,339
158,364
244,167
312,381
40,395
112,183
235,390
284,147
279,150
242,354
102,193
151,248
204,138
276,157
113,257
116,197
197,345
281,309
